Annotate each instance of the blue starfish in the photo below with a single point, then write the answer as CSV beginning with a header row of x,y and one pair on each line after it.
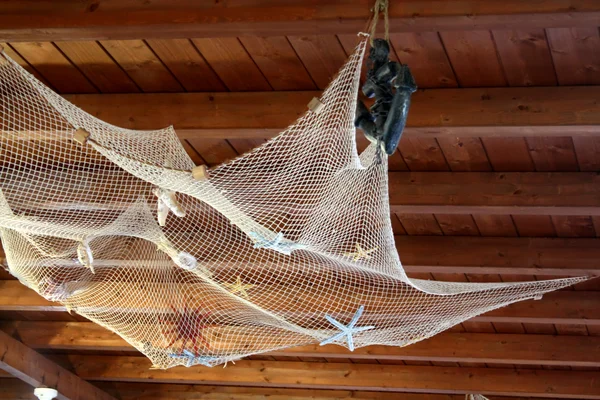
x,y
278,244
346,330
191,359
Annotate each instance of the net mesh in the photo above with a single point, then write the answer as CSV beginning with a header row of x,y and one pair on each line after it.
x,y
289,244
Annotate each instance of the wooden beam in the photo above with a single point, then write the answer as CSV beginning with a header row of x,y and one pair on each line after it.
x,y
38,21
513,193
449,380
492,255
579,351
487,112
561,307
13,389
38,371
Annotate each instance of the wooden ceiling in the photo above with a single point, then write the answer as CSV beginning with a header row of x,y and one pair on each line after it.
x,y
496,179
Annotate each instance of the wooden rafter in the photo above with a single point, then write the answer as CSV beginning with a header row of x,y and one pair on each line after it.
x,y
562,307
514,193
13,389
579,351
501,112
26,364
38,20
453,380
495,255
495,193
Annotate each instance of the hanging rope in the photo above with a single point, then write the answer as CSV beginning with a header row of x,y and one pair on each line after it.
x,y
379,7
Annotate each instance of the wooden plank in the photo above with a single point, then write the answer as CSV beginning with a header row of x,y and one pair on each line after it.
x,y
213,151
322,56
553,154
14,389
278,62
508,154
505,256
187,64
142,65
474,58
526,58
567,307
502,193
231,62
19,60
575,53
444,347
37,20
526,61
93,61
513,112
465,154
486,193
454,380
54,67
427,59
38,371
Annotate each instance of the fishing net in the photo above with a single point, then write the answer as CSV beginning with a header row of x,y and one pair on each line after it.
x,y
289,244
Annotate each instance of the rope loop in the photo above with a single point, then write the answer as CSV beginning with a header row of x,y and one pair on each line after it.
x,y
381,6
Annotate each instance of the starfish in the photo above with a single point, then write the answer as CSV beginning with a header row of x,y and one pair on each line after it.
x,y
279,244
360,253
348,330
239,287
192,359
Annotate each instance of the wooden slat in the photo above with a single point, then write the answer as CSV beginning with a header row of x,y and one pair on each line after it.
x,y
37,20
508,154
502,193
559,384
444,347
278,62
29,366
427,58
187,64
435,113
14,389
98,67
474,58
525,57
465,154
575,54
568,307
322,55
231,62
487,193
54,67
19,60
142,65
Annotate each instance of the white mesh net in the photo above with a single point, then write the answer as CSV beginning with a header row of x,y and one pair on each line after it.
x,y
289,244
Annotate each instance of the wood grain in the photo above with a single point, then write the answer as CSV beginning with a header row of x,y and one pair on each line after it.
x,y
128,19
38,371
142,65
